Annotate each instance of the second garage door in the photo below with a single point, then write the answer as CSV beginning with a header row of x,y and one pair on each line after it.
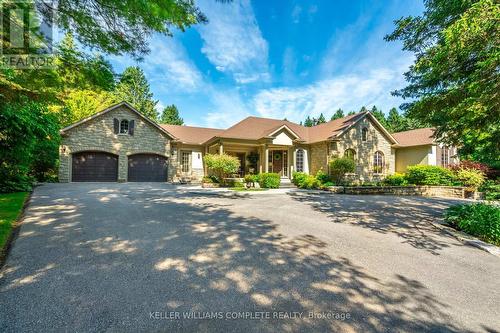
x,y
94,166
147,168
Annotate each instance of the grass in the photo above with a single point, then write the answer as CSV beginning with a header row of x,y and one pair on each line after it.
x,y
10,208
243,189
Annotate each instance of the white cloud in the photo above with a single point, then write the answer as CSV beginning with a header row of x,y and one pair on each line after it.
x,y
232,40
296,13
227,109
348,92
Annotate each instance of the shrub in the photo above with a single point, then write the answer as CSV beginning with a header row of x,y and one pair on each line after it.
x,y
479,219
252,178
328,184
298,177
491,190
210,179
471,178
269,180
322,177
339,167
470,165
310,182
221,166
429,175
397,179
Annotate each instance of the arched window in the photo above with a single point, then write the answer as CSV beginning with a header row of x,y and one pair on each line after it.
x,y
364,134
299,160
378,162
350,153
124,126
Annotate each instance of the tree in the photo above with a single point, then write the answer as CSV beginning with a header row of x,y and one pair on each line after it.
x,y
308,122
351,113
395,122
170,115
80,104
338,114
453,84
321,120
117,27
379,115
133,88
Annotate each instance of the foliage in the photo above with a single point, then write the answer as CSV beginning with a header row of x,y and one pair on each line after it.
x,y
339,167
11,205
308,122
478,219
133,88
221,166
491,190
298,177
170,115
118,27
470,165
429,175
310,182
322,176
338,114
328,184
252,178
269,180
470,178
454,82
314,121
80,104
210,179
397,179
29,142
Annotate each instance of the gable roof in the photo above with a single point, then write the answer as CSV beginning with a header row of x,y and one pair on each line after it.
x,y
417,137
190,134
113,107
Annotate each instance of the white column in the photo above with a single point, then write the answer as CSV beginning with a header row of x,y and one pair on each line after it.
x,y
266,159
221,148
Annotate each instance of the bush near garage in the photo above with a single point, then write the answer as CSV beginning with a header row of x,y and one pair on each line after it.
x,y
478,219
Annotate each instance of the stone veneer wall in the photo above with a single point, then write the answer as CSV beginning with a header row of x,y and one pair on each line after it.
x,y
365,150
429,191
319,157
98,135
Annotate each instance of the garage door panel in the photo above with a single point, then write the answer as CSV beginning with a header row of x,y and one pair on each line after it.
x,y
94,167
147,168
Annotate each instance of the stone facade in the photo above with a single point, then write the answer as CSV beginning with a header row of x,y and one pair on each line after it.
x,y
365,150
98,134
319,157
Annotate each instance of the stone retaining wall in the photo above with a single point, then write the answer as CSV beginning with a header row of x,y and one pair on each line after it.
x,y
427,191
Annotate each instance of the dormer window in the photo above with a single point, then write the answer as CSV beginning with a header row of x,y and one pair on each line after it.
x,y
124,126
364,134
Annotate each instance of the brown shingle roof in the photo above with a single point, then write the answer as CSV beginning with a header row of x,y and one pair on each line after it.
x,y
417,137
191,134
332,128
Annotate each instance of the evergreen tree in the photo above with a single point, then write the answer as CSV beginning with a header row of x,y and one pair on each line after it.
x,y
379,115
170,115
338,114
308,122
351,113
133,88
321,120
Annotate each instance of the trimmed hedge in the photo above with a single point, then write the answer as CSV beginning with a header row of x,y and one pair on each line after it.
x,y
269,180
479,219
397,179
430,175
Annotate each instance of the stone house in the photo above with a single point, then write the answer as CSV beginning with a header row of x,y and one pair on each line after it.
x,y
120,144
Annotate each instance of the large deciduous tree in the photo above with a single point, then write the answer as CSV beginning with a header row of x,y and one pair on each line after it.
x,y
122,26
133,88
454,83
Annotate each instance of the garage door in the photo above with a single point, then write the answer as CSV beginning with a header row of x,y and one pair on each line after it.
x,y
91,166
147,168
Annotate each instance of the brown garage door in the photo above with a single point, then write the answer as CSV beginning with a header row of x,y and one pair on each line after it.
x,y
147,168
92,166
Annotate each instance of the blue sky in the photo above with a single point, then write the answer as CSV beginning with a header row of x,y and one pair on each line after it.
x,y
279,59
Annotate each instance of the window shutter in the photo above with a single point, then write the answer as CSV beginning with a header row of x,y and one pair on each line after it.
x,y
116,124
131,127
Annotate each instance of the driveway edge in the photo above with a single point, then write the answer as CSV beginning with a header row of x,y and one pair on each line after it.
x,y
468,239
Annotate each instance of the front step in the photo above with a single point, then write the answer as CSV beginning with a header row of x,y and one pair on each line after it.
x,y
286,183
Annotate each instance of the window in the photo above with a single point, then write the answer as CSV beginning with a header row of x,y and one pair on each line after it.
x,y
185,159
364,134
350,153
124,126
445,156
378,162
299,160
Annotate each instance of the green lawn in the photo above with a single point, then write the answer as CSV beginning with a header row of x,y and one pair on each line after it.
x,y
10,208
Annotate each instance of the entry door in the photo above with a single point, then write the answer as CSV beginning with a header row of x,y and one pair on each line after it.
x,y
241,170
277,161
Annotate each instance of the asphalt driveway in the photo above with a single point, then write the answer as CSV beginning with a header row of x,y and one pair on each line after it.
x,y
140,257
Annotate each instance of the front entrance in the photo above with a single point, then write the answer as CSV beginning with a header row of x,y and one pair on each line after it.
x,y
278,162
